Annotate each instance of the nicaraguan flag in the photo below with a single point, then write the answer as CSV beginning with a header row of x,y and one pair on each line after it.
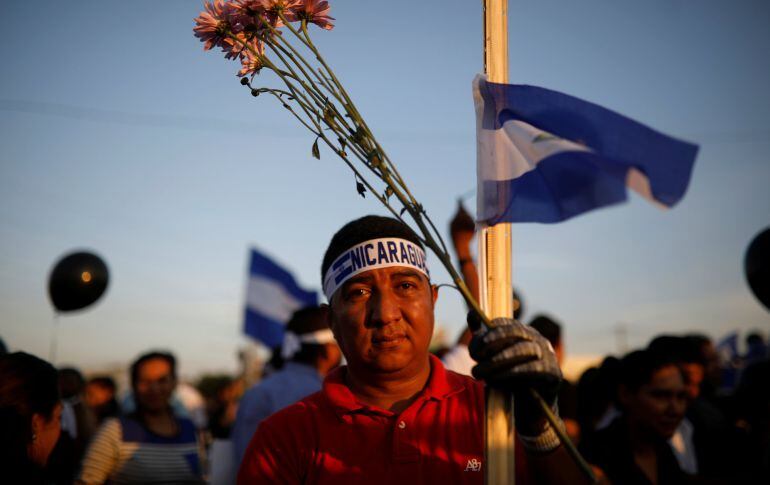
x,y
727,348
544,156
272,297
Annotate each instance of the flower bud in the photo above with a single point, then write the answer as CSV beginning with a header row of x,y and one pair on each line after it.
x,y
244,81
255,92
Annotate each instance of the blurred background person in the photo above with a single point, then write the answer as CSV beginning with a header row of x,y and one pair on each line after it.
x,y
596,397
151,444
78,421
309,352
704,443
567,398
30,414
756,349
101,398
186,402
634,449
752,404
221,393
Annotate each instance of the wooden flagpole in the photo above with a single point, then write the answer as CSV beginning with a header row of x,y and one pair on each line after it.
x,y
496,292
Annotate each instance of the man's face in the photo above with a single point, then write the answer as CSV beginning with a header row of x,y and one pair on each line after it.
x,y
660,404
97,395
383,320
154,385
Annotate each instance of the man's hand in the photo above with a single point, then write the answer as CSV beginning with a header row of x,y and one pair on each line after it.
x,y
516,358
462,228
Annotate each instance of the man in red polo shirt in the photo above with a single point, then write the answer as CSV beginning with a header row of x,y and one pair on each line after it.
x,y
394,414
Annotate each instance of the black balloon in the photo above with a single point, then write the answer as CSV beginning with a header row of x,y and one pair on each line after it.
x,y
757,266
76,281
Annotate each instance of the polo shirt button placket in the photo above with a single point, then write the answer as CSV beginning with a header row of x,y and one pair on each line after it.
x,y
401,424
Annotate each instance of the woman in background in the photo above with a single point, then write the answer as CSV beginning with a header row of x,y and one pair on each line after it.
x,y
150,444
30,417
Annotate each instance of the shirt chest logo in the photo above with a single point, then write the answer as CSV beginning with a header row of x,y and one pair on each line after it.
x,y
473,465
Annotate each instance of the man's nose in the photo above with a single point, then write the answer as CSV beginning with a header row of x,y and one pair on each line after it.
x,y
384,308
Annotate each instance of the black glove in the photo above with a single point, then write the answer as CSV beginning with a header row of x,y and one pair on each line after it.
x,y
514,357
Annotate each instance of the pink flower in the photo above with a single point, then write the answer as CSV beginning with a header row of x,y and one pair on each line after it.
x,y
250,62
286,7
212,25
234,48
316,12
255,12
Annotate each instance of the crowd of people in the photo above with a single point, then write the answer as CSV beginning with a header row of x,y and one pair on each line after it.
x,y
354,394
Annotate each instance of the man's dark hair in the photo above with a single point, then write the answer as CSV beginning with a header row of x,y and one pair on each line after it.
x,y
71,382
364,229
168,357
548,328
105,382
308,320
680,350
637,367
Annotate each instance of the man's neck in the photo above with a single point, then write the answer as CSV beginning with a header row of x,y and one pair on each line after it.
x,y
392,392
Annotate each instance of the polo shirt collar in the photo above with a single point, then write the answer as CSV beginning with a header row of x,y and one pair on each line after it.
x,y
441,385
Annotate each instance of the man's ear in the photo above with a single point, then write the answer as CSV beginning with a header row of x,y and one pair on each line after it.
x,y
38,421
434,290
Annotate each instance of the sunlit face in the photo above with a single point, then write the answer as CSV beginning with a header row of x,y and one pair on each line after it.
x,y
383,320
659,405
46,431
154,385
97,395
695,374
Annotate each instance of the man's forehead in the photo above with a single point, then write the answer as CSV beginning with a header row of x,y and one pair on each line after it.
x,y
390,272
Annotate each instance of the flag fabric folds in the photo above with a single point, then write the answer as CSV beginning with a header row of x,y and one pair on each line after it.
x,y
272,296
544,156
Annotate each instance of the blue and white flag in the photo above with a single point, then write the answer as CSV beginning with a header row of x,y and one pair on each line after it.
x,y
544,156
727,348
272,297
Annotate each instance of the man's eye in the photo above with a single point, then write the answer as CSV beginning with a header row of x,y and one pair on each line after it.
x,y
406,285
357,293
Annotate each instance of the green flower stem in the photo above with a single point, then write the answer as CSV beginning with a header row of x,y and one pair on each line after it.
x,y
442,254
322,80
282,74
325,82
349,104
298,93
553,420
321,101
310,88
271,91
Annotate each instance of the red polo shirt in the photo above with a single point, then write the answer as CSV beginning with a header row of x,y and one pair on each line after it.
x,y
332,437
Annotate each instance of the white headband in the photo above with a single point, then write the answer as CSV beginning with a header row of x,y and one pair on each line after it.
x,y
373,254
293,342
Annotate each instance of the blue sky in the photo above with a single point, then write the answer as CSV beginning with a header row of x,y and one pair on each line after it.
x,y
119,134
